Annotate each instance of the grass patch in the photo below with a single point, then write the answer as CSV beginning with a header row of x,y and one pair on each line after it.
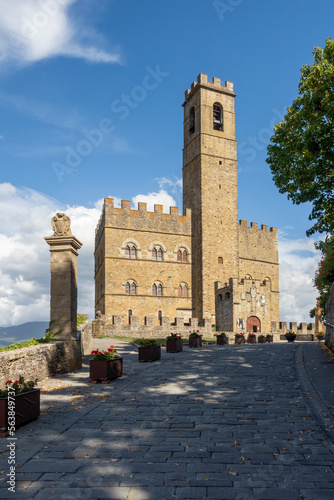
x,y
19,345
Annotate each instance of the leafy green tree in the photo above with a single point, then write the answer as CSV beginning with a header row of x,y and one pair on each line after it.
x,y
301,153
324,275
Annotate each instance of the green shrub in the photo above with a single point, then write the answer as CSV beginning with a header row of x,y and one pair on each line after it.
x,y
81,320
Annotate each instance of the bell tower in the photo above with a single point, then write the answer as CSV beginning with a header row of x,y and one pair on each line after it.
x,y
210,188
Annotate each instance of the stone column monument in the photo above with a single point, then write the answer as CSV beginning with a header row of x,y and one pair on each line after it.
x,y
64,288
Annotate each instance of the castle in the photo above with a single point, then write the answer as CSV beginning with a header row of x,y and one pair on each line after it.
x,y
203,264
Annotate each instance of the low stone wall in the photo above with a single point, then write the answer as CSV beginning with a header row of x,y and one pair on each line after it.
x,y
307,337
38,361
283,326
150,329
85,338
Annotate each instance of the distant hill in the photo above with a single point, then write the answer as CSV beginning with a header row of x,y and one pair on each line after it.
x,y
21,333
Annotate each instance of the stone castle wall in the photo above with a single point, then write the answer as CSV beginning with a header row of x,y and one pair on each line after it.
x,y
219,249
145,230
239,300
210,189
258,258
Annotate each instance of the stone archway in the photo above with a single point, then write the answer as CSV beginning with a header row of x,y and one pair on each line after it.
x,y
253,324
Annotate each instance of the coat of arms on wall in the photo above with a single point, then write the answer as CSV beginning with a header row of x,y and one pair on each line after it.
x,y
61,225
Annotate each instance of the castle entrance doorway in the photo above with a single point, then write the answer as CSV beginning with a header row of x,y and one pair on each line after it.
x,y
253,324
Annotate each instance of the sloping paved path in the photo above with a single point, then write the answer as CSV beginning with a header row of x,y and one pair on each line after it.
x,y
221,422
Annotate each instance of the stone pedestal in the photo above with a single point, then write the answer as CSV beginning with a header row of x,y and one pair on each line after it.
x,y
64,288
319,327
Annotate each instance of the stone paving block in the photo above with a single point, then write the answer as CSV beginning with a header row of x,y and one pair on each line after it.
x,y
229,493
156,479
40,466
276,494
150,493
187,492
117,493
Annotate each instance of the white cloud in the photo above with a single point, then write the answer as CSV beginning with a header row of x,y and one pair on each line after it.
x,y
298,263
32,30
25,258
160,198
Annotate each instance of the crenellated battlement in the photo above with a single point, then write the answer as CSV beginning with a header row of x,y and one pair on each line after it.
x,y
202,80
254,225
151,327
142,219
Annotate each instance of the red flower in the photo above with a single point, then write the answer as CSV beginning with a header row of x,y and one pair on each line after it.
x,y
8,382
16,382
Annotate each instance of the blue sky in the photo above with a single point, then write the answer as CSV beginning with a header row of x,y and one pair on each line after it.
x,y
66,67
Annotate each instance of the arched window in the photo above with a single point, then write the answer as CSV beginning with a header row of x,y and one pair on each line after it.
x,y
182,255
182,290
130,251
220,297
192,120
220,260
248,277
157,289
218,123
157,253
130,288
267,281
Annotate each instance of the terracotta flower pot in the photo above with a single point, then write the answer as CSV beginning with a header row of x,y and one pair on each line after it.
x,y
195,341
152,353
105,370
27,408
222,340
174,345
239,340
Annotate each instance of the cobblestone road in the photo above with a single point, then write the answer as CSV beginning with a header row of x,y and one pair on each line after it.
x,y
221,422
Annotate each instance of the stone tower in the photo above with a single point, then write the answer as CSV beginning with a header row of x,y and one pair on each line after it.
x,y
210,188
